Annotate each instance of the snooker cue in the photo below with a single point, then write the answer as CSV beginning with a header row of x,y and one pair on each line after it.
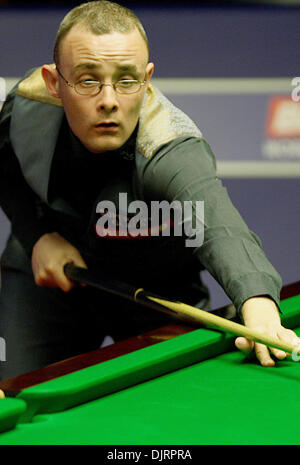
x,y
178,309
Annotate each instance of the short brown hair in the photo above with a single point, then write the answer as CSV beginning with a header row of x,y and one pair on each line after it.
x,y
100,17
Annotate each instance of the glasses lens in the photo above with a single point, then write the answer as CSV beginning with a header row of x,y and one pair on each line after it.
x,y
127,87
94,87
87,87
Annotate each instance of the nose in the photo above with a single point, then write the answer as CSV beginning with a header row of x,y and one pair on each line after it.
x,y
107,99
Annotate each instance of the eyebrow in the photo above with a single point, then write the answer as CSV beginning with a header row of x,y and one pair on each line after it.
x,y
129,68
93,66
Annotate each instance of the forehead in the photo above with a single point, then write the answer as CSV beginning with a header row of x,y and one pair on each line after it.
x,y
81,46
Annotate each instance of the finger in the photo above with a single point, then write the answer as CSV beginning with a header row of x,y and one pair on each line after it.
x,y
54,278
286,335
262,352
290,336
244,345
64,283
280,354
263,355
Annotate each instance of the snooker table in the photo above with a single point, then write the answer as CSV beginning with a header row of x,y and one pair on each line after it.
x,y
178,385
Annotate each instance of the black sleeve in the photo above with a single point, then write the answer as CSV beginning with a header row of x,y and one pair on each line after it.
x,y
185,170
29,216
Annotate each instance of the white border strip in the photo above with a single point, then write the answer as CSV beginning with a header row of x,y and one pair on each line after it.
x,y
258,169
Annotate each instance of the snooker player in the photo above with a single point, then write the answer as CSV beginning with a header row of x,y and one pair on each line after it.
x,y
82,131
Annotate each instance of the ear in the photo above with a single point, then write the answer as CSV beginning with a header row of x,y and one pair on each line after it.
x,y
50,76
149,73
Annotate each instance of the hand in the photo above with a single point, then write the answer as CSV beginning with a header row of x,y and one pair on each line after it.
x,y
261,314
49,256
2,396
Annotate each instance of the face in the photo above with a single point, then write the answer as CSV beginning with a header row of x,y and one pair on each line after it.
x,y
105,121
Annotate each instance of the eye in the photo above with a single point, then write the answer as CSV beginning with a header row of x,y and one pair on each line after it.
x,y
88,83
127,83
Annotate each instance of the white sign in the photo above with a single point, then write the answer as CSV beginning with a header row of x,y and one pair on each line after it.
x,y
2,89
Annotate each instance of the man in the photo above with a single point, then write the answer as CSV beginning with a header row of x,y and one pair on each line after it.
x,y
83,131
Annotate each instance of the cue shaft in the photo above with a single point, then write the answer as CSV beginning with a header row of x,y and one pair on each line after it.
x,y
217,322
178,309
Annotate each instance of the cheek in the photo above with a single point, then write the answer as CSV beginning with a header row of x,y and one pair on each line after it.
x,y
134,111
77,114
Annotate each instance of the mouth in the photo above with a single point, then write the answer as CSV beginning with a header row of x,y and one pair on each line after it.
x,y
107,124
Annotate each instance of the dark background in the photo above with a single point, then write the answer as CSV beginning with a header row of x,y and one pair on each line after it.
x,y
197,40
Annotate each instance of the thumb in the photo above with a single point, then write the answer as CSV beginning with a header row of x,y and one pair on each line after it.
x,y
244,345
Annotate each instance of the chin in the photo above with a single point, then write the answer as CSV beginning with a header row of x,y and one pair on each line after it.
x,y
104,147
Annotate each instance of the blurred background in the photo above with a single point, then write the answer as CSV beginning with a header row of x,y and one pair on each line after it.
x,y
232,66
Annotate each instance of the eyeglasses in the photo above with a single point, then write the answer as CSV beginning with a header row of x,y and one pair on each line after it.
x,y
93,87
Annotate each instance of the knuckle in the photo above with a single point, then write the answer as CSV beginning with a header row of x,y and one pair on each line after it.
x,y
49,269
